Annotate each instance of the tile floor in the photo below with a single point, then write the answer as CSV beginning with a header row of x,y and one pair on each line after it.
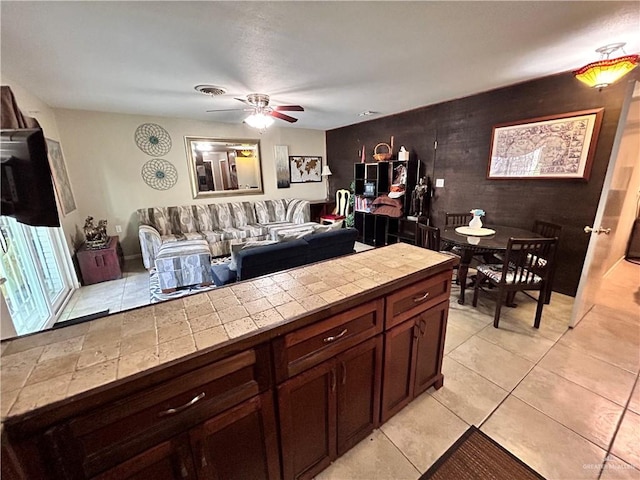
x,y
566,402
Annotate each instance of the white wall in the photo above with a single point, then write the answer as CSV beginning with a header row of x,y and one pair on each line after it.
x,y
32,106
104,165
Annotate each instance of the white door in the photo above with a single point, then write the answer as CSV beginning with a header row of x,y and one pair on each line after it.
x,y
36,280
610,230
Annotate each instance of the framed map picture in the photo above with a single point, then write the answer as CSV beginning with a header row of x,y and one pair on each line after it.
x,y
554,147
305,169
60,177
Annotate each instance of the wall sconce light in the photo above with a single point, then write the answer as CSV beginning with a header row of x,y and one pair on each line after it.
x,y
607,70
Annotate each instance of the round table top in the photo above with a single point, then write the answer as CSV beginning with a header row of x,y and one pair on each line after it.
x,y
495,242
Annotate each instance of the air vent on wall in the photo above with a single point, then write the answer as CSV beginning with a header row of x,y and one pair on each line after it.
x,y
210,90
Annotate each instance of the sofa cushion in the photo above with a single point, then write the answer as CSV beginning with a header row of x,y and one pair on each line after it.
x,y
224,215
238,246
243,213
268,211
181,237
298,211
222,275
258,261
325,245
288,228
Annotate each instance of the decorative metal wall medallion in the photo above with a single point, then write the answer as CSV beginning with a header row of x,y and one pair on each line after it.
x,y
152,139
159,174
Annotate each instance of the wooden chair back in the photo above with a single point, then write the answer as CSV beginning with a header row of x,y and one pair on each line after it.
x,y
526,259
428,237
547,229
342,202
457,219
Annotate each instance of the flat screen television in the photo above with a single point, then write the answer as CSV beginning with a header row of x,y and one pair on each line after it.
x,y
27,193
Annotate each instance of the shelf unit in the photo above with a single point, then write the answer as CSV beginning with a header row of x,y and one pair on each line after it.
x,y
372,180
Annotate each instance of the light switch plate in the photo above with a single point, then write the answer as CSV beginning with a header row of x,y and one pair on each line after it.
x,y
439,182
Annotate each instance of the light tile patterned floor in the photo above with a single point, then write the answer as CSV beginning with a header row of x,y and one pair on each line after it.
x,y
565,401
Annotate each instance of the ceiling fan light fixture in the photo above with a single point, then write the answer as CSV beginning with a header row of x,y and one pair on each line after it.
x,y
259,121
607,70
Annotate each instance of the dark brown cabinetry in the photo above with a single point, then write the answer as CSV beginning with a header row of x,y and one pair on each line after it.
x,y
284,403
413,358
329,408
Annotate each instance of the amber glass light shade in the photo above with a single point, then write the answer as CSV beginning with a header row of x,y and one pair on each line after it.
x,y
605,72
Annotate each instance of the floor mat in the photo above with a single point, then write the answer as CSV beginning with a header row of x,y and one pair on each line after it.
x,y
475,456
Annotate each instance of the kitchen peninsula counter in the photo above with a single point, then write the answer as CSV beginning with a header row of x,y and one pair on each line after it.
x,y
55,375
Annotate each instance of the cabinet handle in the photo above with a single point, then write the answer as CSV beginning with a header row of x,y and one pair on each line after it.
x,y
416,331
420,299
333,380
344,373
184,473
203,457
333,339
423,326
173,411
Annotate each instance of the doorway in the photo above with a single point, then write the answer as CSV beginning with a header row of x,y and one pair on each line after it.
x,y
36,278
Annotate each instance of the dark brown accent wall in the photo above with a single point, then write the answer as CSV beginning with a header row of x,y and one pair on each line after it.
x,y
463,128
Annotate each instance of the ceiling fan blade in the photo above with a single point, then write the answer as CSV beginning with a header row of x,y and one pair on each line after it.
x,y
284,117
243,100
289,108
231,110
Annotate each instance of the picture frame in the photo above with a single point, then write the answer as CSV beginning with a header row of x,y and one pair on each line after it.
x,y
281,156
305,169
555,147
60,177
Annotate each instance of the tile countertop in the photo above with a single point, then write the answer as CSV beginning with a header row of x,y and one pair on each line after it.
x,y
53,365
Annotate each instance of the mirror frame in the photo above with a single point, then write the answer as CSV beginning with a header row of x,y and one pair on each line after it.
x,y
193,179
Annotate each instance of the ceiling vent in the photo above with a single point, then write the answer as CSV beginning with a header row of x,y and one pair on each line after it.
x,y
210,90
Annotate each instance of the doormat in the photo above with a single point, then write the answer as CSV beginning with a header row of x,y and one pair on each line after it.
x,y
475,456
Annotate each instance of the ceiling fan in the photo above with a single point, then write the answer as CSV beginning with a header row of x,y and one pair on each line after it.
x,y
258,104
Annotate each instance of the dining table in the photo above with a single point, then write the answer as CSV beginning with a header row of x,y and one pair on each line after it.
x,y
491,239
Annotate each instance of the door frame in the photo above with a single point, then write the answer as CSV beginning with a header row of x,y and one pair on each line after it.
x,y
591,268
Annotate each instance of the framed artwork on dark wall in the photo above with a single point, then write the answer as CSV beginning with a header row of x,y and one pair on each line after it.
x,y
305,169
554,147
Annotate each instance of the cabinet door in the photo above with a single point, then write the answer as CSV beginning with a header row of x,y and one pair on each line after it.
x,y
170,460
240,443
359,375
432,325
308,421
399,368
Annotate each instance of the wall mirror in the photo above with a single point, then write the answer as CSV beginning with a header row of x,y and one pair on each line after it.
x,y
219,167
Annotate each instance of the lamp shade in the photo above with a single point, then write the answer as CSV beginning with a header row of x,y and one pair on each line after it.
x,y
326,171
605,72
259,120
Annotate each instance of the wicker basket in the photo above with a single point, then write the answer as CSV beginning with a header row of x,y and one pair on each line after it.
x,y
382,157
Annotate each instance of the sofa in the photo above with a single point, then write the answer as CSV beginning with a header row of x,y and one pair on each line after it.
x,y
310,248
219,224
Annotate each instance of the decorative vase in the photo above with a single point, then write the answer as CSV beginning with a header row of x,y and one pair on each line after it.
x,y
475,222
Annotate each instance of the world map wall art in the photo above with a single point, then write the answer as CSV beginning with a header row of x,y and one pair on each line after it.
x,y
305,169
554,147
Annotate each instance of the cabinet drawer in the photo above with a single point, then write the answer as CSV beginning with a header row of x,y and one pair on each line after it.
x,y
113,433
308,346
410,301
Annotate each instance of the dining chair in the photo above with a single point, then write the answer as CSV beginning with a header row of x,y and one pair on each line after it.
x,y
342,208
457,219
429,237
548,230
522,270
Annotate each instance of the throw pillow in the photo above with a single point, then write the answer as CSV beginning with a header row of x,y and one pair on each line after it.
x,y
328,228
290,235
236,247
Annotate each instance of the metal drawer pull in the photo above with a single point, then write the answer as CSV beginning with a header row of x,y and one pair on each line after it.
x,y
333,339
333,380
173,411
420,299
344,373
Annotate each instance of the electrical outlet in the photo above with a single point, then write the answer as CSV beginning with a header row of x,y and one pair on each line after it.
x,y
118,229
439,182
